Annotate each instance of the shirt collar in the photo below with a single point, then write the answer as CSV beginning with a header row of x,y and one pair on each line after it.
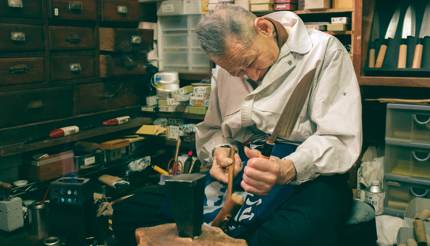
x,y
298,40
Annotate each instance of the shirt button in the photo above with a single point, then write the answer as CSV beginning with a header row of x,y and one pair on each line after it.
x,y
289,63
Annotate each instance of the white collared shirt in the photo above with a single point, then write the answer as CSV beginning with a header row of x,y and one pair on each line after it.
x,y
329,125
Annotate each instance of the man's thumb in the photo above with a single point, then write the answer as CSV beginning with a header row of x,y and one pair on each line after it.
x,y
252,153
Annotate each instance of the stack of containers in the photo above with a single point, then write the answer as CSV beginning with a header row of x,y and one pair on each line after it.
x,y
179,48
285,5
407,156
261,5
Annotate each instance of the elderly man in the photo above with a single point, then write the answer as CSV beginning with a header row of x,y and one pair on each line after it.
x,y
260,61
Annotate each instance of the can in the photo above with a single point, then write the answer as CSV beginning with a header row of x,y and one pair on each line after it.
x,y
375,197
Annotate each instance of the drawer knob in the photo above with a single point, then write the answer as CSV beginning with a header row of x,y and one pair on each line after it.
x,y
15,4
122,10
422,119
75,67
136,39
35,104
73,38
19,69
75,6
418,192
420,156
17,37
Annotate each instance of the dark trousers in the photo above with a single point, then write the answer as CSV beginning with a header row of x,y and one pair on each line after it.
x,y
314,215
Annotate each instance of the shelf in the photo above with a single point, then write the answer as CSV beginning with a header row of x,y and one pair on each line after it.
x,y
174,115
322,11
91,133
194,76
423,82
339,33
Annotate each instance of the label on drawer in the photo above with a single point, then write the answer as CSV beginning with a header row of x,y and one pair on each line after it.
x,y
56,12
89,160
167,8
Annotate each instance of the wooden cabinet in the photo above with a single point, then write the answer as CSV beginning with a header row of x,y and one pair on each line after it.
x,y
85,10
120,11
66,66
21,8
121,39
118,65
17,37
66,37
21,70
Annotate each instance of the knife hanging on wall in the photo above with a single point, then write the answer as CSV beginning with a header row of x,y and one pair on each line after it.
x,y
390,34
408,30
374,37
424,32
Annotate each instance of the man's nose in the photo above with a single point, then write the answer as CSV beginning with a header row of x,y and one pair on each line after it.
x,y
252,73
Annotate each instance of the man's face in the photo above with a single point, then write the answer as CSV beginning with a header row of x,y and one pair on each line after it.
x,y
253,60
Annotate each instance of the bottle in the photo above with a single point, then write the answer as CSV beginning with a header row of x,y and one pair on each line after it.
x,y
64,131
116,121
188,162
375,197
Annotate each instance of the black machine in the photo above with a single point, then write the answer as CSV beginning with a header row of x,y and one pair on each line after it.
x,y
73,191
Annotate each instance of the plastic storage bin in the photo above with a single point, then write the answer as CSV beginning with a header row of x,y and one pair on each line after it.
x,y
179,7
399,191
199,59
408,122
407,159
416,205
175,41
173,23
175,58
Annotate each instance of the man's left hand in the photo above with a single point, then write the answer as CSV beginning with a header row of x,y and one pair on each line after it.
x,y
261,173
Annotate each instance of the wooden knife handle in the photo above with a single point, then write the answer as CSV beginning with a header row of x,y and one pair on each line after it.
x,y
418,55
420,232
403,52
372,58
381,56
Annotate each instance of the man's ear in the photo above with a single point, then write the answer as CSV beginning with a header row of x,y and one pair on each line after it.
x,y
263,26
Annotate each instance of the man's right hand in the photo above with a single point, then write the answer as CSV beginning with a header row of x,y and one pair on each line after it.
x,y
221,161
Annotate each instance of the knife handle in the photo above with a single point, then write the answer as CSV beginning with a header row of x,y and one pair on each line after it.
x,y
403,52
418,55
372,57
381,56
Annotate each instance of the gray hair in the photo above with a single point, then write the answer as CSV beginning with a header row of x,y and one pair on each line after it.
x,y
224,21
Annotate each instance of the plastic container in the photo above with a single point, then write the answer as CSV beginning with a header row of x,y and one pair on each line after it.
x,y
404,234
179,7
407,159
408,122
173,23
399,191
175,40
416,205
199,59
175,58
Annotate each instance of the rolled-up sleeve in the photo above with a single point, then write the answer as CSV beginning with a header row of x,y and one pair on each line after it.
x,y
208,132
335,111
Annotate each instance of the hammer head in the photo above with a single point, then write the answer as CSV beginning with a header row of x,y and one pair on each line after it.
x,y
186,194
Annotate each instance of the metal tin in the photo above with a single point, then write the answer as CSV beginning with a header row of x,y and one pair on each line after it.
x,y
375,197
52,241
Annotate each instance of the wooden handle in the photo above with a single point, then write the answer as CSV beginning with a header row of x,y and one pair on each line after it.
x,y
372,58
411,242
420,232
381,56
228,210
401,63
230,174
109,180
418,56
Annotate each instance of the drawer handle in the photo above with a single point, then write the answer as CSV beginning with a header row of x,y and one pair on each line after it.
x,y
136,39
421,122
419,156
75,6
122,10
418,193
18,37
75,68
129,63
73,38
15,4
35,104
19,69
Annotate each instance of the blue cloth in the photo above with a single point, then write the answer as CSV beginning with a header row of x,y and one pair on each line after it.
x,y
256,209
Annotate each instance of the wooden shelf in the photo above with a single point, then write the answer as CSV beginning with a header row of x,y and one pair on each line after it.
x,y
174,115
14,149
322,11
339,33
423,82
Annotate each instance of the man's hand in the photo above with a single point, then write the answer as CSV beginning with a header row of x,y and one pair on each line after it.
x,y
261,174
220,163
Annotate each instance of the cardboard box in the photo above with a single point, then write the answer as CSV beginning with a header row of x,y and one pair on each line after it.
x,y
337,27
343,4
341,20
52,166
261,7
317,4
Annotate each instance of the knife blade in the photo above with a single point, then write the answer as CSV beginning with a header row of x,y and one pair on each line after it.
x,y
424,32
374,37
408,30
390,34
290,112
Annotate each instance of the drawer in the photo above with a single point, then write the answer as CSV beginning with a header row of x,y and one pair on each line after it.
x,y
408,122
106,96
15,37
21,70
399,191
124,39
21,8
61,37
118,65
35,105
120,10
407,159
73,10
72,66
